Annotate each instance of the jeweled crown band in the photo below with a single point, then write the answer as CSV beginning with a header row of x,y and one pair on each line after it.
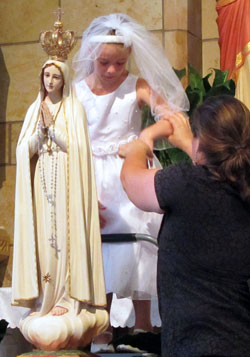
x,y
109,39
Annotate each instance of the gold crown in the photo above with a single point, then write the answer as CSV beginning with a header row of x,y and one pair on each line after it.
x,y
58,43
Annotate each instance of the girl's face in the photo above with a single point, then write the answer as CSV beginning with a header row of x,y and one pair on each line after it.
x,y
53,80
111,63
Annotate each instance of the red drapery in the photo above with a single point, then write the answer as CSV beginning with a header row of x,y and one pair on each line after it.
x,y
234,33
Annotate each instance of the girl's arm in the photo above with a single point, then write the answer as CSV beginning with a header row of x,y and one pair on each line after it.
x,y
176,129
161,129
137,179
143,95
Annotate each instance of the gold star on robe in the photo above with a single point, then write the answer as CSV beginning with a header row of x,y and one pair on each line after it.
x,y
47,278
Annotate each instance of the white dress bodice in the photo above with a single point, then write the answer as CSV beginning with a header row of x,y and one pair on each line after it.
x,y
113,118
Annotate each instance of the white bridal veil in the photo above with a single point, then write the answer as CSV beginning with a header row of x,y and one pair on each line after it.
x,y
148,54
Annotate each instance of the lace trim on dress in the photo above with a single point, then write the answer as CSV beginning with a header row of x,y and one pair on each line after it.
x,y
111,147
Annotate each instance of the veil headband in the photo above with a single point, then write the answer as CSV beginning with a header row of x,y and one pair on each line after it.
x,y
109,39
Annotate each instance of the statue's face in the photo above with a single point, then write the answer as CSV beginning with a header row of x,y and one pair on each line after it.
x,y
53,80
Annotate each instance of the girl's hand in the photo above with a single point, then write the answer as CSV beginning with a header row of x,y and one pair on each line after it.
x,y
181,136
47,118
101,218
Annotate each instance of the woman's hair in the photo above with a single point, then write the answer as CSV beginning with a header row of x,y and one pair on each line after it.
x,y
222,125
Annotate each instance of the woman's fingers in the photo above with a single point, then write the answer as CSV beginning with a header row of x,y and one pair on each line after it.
x,y
133,147
182,134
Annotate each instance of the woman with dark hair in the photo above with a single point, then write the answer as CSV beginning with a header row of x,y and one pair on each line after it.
x,y
204,241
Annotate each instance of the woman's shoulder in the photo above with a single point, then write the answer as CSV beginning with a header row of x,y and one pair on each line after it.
x,y
179,182
182,169
182,174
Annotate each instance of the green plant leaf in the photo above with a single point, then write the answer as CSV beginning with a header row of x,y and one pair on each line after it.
x,y
214,91
176,155
220,77
163,157
180,72
206,83
195,97
197,91
231,86
195,80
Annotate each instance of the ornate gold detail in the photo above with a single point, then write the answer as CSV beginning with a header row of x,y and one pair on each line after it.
x,y
47,278
240,58
58,43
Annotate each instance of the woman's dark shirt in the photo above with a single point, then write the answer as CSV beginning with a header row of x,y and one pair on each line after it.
x,y
203,266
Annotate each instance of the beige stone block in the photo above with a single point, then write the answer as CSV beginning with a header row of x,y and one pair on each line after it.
x,y
209,16
7,197
4,244
210,56
15,129
132,65
175,14
4,143
22,20
72,54
23,64
195,52
148,13
194,17
7,270
5,259
176,48
4,87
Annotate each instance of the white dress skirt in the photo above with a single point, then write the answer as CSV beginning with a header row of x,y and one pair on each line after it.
x,y
129,268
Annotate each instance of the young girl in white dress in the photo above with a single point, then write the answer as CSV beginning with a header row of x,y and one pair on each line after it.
x,y
113,99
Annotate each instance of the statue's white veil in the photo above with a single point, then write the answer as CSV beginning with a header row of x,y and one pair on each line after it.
x,y
148,54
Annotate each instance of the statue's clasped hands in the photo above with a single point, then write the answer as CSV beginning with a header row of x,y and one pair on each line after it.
x,y
47,117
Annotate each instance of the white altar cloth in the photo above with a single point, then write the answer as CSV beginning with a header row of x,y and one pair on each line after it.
x,y
9,313
119,316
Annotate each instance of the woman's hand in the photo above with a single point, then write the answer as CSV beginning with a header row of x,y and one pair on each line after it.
x,y
134,147
182,135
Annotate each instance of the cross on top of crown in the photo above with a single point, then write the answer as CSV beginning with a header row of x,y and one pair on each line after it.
x,y
59,13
